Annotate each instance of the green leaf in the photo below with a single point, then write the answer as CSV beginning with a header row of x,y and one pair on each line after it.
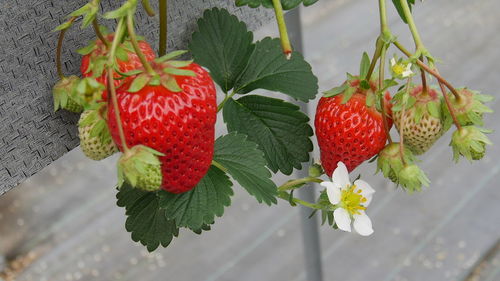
x,y
246,164
200,205
278,127
364,66
139,82
269,69
336,91
399,8
287,4
146,221
223,45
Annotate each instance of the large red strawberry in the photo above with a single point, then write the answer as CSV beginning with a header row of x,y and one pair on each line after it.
x,y
181,125
350,132
96,56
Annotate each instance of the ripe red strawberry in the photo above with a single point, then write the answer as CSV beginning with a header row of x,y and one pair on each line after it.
x,y
181,125
350,132
97,57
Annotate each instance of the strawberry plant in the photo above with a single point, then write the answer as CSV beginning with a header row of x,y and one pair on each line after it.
x,y
160,111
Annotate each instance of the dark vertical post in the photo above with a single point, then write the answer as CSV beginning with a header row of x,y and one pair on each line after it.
x,y
310,233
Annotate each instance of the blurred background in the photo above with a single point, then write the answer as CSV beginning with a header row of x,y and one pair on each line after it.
x,y
63,224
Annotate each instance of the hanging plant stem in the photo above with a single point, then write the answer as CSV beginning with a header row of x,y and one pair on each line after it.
x,y
59,50
120,29
147,7
401,124
135,44
285,40
380,87
163,27
99,34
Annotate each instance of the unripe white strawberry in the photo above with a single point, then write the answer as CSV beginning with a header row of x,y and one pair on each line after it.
x,y
423,122
95,138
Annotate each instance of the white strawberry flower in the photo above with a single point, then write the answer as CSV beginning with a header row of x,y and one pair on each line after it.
x,y
351,201
400,68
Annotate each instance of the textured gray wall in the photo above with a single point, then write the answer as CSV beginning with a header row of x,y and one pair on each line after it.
x,y
31,134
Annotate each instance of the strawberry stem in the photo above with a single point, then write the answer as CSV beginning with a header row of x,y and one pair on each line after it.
x,y
376,55
219,165
287,197
99,34
135,44
450,108
163,27
424,79
380,87
111,61
411,24
285,41
428,69
147,7
294,184
401,125
59,50
223,102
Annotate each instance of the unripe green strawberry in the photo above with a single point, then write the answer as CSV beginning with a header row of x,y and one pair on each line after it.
x,y
95,138
141,168
422,125
469,108
469,142
64,94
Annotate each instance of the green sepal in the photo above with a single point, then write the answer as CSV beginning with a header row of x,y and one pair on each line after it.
x,y
364,67
469,141
336,91
179,72
63,26
127,7
286,4
139,82
141,168
349,92
87,49
412,178
170,56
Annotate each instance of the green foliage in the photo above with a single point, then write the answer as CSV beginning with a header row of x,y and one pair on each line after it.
x,y
198,207
397,4
146,221
246,164
278,127
269,69
224,45
287,4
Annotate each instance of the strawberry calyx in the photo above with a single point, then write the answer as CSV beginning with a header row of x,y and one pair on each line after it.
x,y
469,107
399,166
95,117
419,101
166,69
469,142
65,94
89,92
140,167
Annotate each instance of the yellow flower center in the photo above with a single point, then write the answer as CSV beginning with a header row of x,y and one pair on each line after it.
x,y
351,200
398,69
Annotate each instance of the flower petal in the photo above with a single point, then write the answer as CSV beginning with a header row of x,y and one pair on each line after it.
x,y
393,61
332,191
366,191
363,224
342,219
340,176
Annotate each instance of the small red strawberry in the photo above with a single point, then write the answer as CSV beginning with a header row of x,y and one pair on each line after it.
x,y
351,132
179,124
95,59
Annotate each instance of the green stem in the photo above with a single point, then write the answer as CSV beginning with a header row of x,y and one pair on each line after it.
x,y
135,44
111,62
221,105
429,70
101,37
411,25
59,50
219,165
286,196
293,184
383,16
163,27
401,124
378,49
147,7
380,87
285,41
